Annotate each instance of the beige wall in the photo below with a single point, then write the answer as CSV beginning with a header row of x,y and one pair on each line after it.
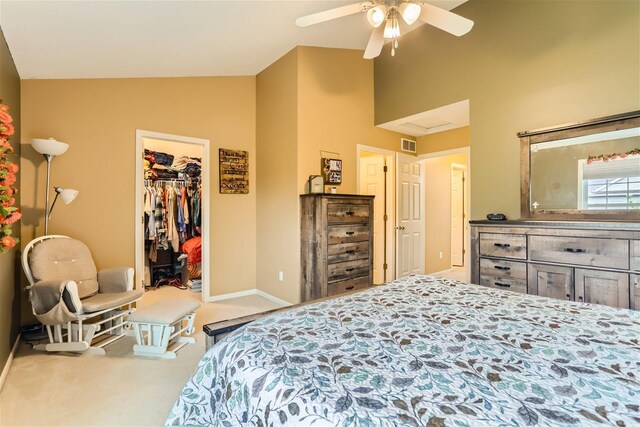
x,y
524,65
278,242
443,141
437,197
333,104
98,119
9,264
336,112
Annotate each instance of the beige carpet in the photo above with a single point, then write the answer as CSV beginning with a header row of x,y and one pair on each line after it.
x,y
45,389
456,273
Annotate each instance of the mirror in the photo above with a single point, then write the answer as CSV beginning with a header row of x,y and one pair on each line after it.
x,y
584,170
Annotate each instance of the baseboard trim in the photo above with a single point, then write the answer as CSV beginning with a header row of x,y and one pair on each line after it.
x,y
230,295
7,365
270,297
247,293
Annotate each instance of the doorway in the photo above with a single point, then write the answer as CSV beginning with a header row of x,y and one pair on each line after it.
x,y
376,172
172,210
410,215
458,216
447,209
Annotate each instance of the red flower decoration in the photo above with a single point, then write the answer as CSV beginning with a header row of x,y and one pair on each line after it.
x,y
8,212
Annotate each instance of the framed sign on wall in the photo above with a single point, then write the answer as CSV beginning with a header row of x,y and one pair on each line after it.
x,y
331,171
234,171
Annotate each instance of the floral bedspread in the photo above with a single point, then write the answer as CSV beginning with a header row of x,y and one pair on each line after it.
x,y
423,351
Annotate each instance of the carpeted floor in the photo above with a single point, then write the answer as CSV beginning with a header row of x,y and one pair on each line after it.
x,y
45,389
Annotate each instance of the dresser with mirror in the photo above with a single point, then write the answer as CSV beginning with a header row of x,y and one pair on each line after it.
x,y
579,234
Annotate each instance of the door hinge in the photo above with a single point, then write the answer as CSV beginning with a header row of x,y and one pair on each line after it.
x,y
464,179
385,266
464,252
385,217
385,168
463,216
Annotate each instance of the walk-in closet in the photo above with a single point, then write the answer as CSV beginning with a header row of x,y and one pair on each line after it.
x,y
172,206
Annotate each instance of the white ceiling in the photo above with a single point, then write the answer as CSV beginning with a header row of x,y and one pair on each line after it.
x,y
54,39
449,117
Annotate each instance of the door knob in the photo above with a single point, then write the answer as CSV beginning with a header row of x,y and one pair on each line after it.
x,y
399,227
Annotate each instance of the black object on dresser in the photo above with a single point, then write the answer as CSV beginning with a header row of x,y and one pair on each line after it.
x,y
594,262
336,247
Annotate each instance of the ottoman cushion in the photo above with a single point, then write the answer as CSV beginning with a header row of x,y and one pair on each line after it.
x,y
164,312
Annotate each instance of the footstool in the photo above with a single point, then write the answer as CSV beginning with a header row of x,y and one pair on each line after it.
x,y
158,327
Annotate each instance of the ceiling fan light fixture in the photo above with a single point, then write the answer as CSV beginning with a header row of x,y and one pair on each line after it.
x,y
392,28
410,12
376,15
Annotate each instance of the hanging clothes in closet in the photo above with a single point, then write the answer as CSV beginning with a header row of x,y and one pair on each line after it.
x,y
172,216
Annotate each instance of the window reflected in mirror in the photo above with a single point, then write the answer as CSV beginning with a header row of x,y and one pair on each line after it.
x,y
591,172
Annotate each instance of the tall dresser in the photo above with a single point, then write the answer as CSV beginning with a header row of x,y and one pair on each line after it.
x,y
594,262
336,248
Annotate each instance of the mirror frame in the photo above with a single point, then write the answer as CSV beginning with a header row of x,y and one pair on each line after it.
x,y
589,127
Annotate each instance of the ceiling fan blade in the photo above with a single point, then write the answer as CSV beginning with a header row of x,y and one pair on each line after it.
x,y
376,41
445,20
327,15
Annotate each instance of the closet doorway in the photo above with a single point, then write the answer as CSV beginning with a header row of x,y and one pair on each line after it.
x,y
172,213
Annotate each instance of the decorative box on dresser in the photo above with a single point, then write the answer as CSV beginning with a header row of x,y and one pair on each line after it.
x,y
336,248
594,262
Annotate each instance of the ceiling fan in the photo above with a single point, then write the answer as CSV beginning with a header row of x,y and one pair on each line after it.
x,y
389,12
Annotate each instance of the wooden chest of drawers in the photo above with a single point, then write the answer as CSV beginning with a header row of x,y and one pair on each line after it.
x,y
588,262
336,244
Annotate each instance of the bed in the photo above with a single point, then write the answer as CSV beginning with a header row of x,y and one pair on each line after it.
x,y
423,351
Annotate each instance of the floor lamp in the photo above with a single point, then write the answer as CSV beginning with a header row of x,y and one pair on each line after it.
x,y
50,148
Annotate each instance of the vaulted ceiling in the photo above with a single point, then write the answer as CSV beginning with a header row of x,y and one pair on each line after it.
x,y
102,39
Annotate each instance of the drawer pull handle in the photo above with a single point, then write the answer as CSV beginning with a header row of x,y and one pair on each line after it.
x,y
350,233
502,245
568,296
348,288
580,298
349,213
499,267
575,250
350,251
349,269
502,285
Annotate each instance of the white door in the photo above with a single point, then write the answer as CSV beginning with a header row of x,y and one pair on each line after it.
x,y
409,216
457,216
372,177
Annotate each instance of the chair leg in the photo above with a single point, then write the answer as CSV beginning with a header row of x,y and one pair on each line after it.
x,y
57,343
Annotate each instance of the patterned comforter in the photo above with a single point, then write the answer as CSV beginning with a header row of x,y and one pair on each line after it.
x,y
423,351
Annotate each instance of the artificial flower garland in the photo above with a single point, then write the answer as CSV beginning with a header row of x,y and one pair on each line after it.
x,y
8,212
607,157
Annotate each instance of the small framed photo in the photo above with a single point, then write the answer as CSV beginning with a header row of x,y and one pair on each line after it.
x,y
331,171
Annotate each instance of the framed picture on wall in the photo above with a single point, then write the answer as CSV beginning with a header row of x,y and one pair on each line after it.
x,y
331,171
234,171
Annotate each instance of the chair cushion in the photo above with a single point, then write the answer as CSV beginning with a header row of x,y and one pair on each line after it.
x,y
62,259
105,301
164,312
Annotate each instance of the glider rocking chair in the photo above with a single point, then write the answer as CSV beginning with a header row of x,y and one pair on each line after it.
x,y
82,309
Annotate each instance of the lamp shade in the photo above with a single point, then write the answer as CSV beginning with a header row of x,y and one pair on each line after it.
x,y
67,194
49,146
410,12
377,15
